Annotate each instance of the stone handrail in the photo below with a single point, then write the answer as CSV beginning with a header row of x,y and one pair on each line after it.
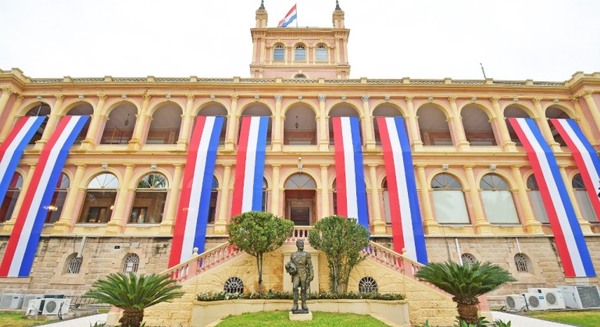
x,y
200,263
392,259
299,233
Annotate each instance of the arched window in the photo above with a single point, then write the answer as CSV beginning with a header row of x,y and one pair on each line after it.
x,y
214,192
449,200
367,285
10,199
468,258
100,198
300,76
41,109
131,263
58,199
535,198
233,285
321,53
265,194
522,263
300,53
498,200
150,199
279,53
583,199
386,202
334,192
73,264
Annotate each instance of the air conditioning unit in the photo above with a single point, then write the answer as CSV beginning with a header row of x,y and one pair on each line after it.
x,y
552,296
56,306
11,301
536,302
29,297
580,296
35,307
515,302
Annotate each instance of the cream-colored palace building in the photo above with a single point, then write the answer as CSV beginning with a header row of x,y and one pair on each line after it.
x,y
115,206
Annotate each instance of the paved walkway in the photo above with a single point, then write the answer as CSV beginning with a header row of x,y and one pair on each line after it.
x,y
522,321
80,322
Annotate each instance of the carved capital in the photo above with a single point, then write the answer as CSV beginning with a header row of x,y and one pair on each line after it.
x,y
322,98
278,98
7,89
495,99
452,99
146,96
365,98
409,98
101,96
587,93
190,97
234,97
59,97
536,100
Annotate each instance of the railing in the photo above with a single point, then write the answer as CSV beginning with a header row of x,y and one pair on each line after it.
x,y
200,263
299,233
392,259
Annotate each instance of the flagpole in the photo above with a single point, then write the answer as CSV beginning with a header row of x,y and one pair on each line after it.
x,y
296,4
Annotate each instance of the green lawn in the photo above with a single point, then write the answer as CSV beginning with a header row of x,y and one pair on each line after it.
x,y
16,319
280,318
575,318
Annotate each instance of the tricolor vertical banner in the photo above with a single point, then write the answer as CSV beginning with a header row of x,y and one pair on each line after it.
x,y
250,165
12,149
407,227
23,242
569,238
585,157
194,200
350,181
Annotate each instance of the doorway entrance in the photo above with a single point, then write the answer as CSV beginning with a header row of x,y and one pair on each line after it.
x,y
300,190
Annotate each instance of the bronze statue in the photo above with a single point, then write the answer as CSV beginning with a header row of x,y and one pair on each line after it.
x,y
301,269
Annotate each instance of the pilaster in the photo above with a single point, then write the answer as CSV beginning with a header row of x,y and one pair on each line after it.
x,y
186,123
413,125
221,223
378,222
119,217
276,139
481,224
231,123
275,198
367,122
505,141
532,226
67,218
458,127
432,227
91,139
325,190
166,226
324,132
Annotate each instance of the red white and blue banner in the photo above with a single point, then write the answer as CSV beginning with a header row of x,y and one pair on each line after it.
x,y
194,200
250,165
350,181
568,236
12,149
407,227
23,242
289,17
585,157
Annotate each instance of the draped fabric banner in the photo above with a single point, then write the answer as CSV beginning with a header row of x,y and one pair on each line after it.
x,y
585,157
194,200
407,227
250,165
569,238
350,182
12,149
23,242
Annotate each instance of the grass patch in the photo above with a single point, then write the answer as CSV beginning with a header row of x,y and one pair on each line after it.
x,y
577,318
280,318
15,319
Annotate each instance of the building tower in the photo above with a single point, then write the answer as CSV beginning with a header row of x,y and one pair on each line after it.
x,y
300,52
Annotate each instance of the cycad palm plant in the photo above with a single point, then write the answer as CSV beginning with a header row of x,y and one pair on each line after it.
x,y
465,283
134,293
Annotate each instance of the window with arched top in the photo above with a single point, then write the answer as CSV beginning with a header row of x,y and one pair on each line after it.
x,y
468,258
58,199
300,53
449,200
279,53
265,194
233,285
334,201
100,198
386,202
535,198
150,199
523,263
214,192
498,201
321,53
131,263
73,264
10,199
367,285
583,199
40,109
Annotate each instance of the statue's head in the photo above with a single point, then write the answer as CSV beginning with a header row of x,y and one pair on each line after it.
x,y
300,244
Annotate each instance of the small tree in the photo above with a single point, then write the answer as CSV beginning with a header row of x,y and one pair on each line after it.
x,y
465,283
134,293
342,240
257,233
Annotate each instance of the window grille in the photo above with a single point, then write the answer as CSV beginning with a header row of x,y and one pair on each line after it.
x,y
367,285
234,285
522,262
468,258
131,262
73,264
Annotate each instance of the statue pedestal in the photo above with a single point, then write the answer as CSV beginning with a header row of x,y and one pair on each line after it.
x,y
300,316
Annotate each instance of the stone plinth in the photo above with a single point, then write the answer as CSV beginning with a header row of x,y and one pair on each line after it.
x,y
300,316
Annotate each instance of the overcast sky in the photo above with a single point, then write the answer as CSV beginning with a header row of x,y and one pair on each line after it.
x,y
544,40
